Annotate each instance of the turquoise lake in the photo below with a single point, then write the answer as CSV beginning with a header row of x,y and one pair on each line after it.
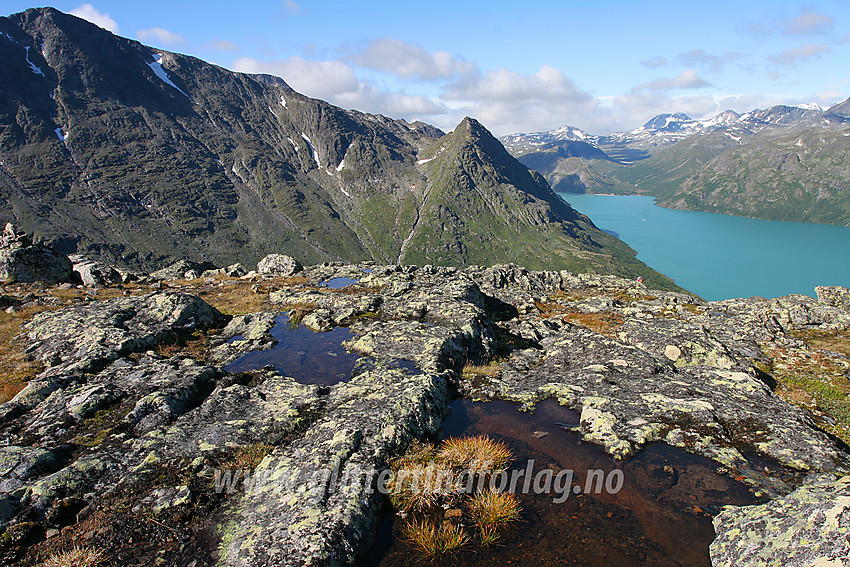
x,y
721,256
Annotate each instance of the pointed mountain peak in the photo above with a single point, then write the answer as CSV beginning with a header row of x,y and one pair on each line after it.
x,y
472,128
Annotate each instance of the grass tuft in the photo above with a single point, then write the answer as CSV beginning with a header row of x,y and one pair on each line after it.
x,y
479,451
16,368
249,456
492,369
77,557
434,541
494,509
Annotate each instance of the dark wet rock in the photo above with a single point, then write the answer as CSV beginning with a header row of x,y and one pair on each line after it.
x,y
23,261
808,527
279,265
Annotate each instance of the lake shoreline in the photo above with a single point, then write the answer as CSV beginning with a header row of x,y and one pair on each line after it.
x,y
718,256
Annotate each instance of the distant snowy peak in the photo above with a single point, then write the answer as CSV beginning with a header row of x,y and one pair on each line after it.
x,y
725,118
523,142
570,133
666,129
677,122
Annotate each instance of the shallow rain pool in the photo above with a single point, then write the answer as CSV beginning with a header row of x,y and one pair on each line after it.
x,y
661,515
305,355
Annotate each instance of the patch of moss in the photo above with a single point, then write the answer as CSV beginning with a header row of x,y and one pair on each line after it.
x,y
813,375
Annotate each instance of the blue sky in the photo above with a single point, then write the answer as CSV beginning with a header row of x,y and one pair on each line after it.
x,y
515,66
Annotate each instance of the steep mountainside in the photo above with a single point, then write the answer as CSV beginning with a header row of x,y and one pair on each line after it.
x,y
482,205
144,156
803,175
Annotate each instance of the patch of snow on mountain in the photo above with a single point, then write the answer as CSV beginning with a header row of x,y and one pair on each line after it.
x,y
282,101
157,69
33,67
421,161
736,138
312,149
294,145
341,165
62,136
810,106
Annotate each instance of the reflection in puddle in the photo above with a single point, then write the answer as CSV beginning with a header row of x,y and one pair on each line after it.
x,y
338,283
660,517
306,356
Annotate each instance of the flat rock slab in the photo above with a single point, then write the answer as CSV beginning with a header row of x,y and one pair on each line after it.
x,y
810,526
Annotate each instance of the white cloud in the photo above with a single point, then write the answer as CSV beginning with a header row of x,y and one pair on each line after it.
x,y
320,79
160,36
794,56
506,101
406,60
291,7
688,79
654,62
90,13
808,23
335,82
503,85
714,63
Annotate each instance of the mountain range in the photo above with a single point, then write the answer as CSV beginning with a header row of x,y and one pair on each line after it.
x,y
139,156
780,163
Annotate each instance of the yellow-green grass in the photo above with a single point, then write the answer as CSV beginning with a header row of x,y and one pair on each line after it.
x,y
479,451
433,540
76,557
494,509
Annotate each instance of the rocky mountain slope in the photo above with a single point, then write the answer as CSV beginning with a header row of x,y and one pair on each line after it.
x,y
120,441
780,163
796,175
139,156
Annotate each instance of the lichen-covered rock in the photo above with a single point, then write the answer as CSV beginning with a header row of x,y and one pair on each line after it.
x,y
236,270
107,421
810,526
318,504
83,337
834,296
93,273
278,265
183,269
23,261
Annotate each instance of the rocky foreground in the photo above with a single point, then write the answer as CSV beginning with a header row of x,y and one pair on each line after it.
x,y
115,443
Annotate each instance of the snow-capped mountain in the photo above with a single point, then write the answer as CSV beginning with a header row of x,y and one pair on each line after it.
x,y
522,142
666,129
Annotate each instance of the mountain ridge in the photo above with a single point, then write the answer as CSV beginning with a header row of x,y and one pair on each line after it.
x,y
145,156
725,164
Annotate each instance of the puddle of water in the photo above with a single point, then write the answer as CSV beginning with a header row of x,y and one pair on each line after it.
x,y
338,283
658,518
303,354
